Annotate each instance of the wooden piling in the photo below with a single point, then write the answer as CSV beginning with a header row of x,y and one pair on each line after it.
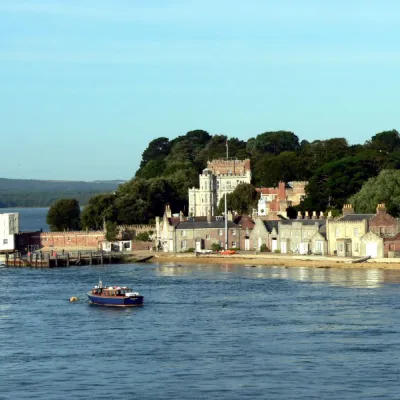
x,y
67,259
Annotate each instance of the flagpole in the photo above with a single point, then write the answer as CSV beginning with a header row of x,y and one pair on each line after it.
x,y
226,207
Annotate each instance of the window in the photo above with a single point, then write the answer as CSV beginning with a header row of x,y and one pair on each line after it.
x,y
356,247
220,232
233,233
5,241
337,232
233,244
183,233
221,243
207,237
355,232
183,244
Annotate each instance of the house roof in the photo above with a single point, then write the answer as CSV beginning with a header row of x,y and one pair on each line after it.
x,y
320,222
355,217
204,225
244,221
271,224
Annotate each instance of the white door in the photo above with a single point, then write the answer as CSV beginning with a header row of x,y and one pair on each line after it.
x,y
274,245
303,248
247,244
372,250
283,247
259,243
198,245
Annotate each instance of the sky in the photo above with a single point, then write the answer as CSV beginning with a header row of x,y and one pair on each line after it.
x,y
87,84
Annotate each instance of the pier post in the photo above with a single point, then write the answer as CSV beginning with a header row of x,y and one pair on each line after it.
x,y
36,257
48,260
56,260
101,257
31,259
67,259
91,258
7,255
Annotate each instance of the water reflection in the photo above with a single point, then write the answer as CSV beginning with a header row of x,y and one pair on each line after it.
x,y
355,278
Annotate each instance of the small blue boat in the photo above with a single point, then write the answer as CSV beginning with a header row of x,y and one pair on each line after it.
x,y
114,296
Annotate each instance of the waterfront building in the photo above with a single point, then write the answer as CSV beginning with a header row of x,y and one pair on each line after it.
x,y
275,200
9,227
221,176
176,233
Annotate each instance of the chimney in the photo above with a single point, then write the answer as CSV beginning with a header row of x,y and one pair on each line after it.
x,y
314,215
168,211
321,215
181,216
381,209
306,216
230,216
329,215
347,209
208,215
281,191
299,215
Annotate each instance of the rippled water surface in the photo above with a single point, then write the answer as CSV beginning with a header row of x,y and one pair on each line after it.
x,y
205,332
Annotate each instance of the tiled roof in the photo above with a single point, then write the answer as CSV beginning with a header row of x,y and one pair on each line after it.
x,y
320,222
245,222
271,224
204,224
355,217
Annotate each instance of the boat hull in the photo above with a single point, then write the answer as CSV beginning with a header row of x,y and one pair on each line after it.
x,y
115,301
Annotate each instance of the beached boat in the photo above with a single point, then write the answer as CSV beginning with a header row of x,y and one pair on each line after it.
x,y
228,252
114,296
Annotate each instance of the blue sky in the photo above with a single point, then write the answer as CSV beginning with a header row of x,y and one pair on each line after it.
x,y
87,84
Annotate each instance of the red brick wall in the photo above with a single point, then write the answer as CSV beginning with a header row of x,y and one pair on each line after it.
x,y
79,239
223,167
383,225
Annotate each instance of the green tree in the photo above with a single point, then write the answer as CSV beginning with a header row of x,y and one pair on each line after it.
x,y
335,182
99,208
111,231
384,188
64,215
143,236
157,148
242,200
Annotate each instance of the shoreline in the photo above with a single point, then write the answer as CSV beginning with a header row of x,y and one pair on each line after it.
x,y
280,261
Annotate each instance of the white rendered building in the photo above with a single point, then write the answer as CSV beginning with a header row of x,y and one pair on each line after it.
x,y
9,227
219,177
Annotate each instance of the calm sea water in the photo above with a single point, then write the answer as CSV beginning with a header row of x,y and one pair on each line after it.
x,y
205,332
30,219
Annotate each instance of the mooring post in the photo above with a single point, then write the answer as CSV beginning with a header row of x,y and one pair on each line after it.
x,y
56,260
30,259
101,257
7,259
79,258
68,259
36,257
91,258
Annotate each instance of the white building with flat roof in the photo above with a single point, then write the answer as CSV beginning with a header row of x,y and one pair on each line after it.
x,y
9,227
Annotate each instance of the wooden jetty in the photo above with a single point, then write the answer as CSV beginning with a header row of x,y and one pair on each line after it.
x,y
63,259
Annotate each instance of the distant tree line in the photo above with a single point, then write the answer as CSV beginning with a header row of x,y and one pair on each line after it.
x,y
335,170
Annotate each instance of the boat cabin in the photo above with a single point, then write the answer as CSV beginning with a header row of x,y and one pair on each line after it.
x,y
111,291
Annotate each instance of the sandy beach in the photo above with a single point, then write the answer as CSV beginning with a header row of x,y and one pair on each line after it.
x,y
278,260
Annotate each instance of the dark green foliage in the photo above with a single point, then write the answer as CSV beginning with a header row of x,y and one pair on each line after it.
x,y
111,231
143,236
384,188
216,247
64,215
335,171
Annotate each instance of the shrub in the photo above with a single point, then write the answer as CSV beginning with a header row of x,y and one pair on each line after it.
x,y
216,247
263,248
